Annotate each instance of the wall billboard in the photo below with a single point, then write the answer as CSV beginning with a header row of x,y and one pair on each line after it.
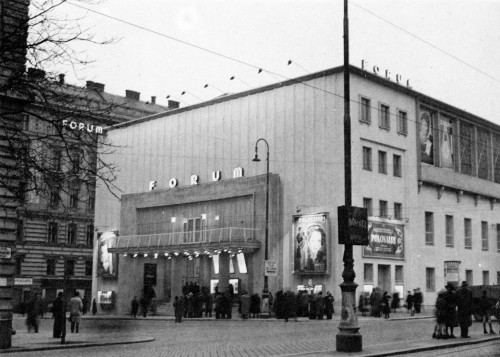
x,y
426,138
310,250
107,262
386,240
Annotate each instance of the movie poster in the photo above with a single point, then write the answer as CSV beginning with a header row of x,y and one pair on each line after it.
x,y
310,248
426,138
446,143
106,264
386,240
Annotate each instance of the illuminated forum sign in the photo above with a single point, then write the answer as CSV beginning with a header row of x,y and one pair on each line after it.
x,y
195,179
90,128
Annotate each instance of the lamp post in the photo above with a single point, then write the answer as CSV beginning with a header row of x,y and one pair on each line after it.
x,y
265,291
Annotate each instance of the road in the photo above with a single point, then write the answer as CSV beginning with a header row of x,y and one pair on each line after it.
x,y
256,337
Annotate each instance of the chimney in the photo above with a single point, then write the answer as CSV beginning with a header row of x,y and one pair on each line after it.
x,y
130,94
153,99
61,78
173,104
98,87
35,73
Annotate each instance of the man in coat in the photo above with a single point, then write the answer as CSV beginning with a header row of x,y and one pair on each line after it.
x,y
59,315
464,304
75,308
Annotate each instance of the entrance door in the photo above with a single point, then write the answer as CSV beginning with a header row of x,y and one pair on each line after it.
x,y
384,278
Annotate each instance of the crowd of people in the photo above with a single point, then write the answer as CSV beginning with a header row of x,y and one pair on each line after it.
x,y
378,303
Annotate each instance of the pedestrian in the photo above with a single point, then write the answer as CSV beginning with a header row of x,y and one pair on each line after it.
x,y
386,307
255,305
134,307
58,311
94,307
410,300
289,307
418,300
440,316
329,309
33,312
464,304
75,309
395,301
144,306
178,308
208,304
312,306
244,305
451,309
363,303
320,306
485,309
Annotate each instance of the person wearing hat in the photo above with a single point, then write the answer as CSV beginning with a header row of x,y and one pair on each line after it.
x,y
59,315
451,309
464,304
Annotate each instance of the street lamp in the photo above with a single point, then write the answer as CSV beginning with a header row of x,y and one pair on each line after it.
x,y
265,291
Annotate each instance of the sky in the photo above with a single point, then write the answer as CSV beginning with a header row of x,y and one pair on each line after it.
x,y
449,50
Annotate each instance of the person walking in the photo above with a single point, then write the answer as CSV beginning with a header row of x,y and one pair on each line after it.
x,y
59,315
418,300
451,309
485,309
320,306
410,303
329,300
464,304
75,309
178,308
440,316
244,305
134,307
94,307
395,302
33,312
289,305
386,307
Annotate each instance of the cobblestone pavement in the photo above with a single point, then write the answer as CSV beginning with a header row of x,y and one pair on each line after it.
x,y
488,349
253,337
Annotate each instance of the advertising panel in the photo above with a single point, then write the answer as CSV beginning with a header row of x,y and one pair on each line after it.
x,y
311,235
446,143
451,272
107,264
426,138
386,240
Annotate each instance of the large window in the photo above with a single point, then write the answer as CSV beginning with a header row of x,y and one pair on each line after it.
x,y
368,273
88,268
396,164
384,122
399,274
483,154
484,236
90,198
51,266
429,228
367,158
20,231
368,204
52,232
398,210
382,162
73,197
89,235
69,268
18,262
72,233
486,277
469,277
402,122
382,208
449,231
365,110
430,279
467,233
466,148
55,197
447,146
193,228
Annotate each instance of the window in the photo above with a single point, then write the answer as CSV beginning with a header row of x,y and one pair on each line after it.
x,y
483,154
52,232
75,162
368,273
70,267
429,228
467,233
193,228
396,164
446,143
468,277
90,199
496,158
88,268
498,238
484,235
72,233
56,159
486,277
89,236
382,162
365,110
384,117
368,204
467,143
367,158
402,122
26,122
18,261
54,197
382,208
398,210
498,277
399,274
20,231
51,266
73,197
430,277
449,231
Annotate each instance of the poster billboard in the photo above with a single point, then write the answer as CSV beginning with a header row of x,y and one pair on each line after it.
x,y
426,138
106,261
310,250
446,145
386,240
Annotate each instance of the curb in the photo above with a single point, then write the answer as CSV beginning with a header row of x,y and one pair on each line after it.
x,y
77,345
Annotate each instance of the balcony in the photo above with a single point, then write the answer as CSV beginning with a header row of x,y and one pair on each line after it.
x,y
235,238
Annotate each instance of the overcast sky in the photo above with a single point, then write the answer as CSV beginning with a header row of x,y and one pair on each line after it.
x,y
450,50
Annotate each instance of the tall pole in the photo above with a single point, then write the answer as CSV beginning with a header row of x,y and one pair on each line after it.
x,y
348,339
265,291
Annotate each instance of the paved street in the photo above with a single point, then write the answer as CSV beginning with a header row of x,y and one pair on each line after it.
x,y
251,338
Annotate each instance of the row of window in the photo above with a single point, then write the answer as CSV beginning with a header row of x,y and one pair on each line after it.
x,y
384,208
69,266
368,273
384,118
53,233
382,162
73,198
450,232
430,278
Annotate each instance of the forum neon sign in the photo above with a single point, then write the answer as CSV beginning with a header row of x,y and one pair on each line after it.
x,y
90,128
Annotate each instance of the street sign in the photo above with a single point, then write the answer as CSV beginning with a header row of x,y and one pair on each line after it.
x,y
270,268
5,253
353,225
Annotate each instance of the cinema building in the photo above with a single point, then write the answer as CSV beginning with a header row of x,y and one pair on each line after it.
x,y
192,205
